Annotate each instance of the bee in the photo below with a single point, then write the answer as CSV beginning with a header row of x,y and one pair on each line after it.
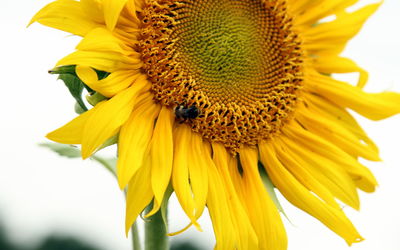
x,y
184,112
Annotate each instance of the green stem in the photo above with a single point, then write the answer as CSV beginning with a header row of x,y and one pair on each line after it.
x,y
135,237
155,232
110,167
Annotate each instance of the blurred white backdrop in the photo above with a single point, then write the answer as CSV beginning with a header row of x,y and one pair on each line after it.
x,y
41,193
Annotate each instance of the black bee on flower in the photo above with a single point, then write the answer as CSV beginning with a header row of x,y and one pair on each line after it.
x,y
186,112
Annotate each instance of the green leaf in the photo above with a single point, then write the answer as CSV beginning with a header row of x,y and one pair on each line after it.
x,y
68,151
71,151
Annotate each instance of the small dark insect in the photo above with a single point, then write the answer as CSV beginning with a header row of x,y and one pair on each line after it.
x,y
183,112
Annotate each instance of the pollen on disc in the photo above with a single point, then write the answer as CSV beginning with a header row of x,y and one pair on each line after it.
x,y
238,61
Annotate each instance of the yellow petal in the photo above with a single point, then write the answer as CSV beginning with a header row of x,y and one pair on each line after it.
x,y
263,213
246,238
298,7
334,64
361,175
66,15
198,172
105,61
375,106
139,195
112,10
180,174
220,213
132,9
94,10
107,119
335,133
161,153
236,175
298,195
339,115
112,84
101,39
313,10
71,133
303,175
327,171
134,139
336,33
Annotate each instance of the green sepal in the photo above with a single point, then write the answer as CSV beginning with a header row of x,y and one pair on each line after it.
x,y
71,151
164,205
75,86
270,188
68,69
101,74
109,142
95,98
78,109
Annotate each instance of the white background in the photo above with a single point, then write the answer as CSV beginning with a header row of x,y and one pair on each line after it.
x,y
41,193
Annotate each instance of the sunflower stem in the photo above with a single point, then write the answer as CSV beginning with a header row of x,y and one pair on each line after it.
x,y
135,237
155,232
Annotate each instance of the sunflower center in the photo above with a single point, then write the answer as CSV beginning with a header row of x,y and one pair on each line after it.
x,y
237,62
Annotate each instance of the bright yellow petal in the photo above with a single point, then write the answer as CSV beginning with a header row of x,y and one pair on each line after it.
x,y
263,213
220,213
339,115
105,61
94,10
112,10
297,7
101,39
334,64
361,175
134,139
112,84
303,175
311,11
326,171
107,119
374,106
198,172
161,153
132,9
180,172
335,133
66,15
246,238
298,195
71,133
139,195
330,35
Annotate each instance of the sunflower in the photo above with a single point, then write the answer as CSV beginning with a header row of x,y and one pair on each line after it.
x,y
211,97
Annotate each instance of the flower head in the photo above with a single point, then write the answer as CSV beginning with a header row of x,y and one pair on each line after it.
x,y
209,96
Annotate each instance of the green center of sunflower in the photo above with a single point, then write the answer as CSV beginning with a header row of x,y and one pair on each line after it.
x,y
237,61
